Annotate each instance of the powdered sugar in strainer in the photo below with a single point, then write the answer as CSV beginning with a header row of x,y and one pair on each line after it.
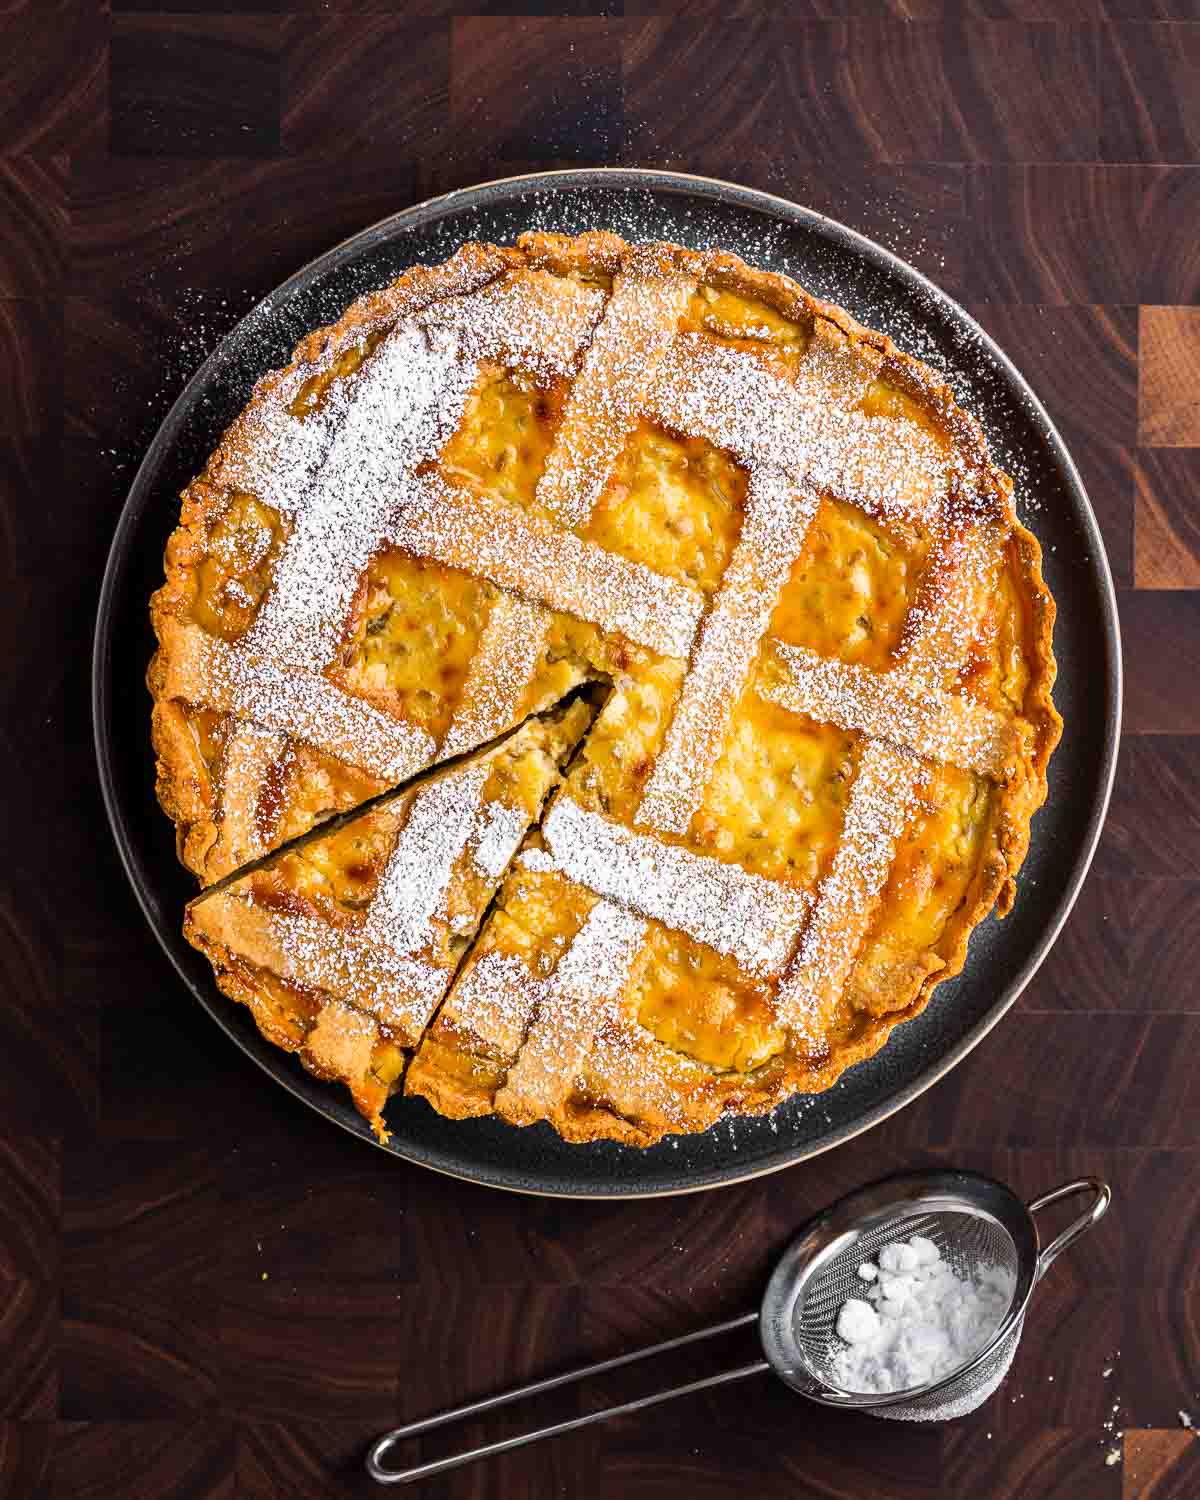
x,y
974,1221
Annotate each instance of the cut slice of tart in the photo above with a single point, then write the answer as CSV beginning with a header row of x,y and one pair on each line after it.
x,y
343,946
624,986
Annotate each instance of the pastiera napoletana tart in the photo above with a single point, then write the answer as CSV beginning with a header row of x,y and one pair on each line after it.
x,y
721,612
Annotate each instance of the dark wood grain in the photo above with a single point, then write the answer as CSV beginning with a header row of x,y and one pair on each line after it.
x,y
154,1460
31,1191
129,1355
1162,659
190,85
1153,827
1124,946
54,71
1098,415
30,1337
1166,525
1020,92
48,1082
1040,1463
31,338
1170,263
526,86
25,1457
397,71
33,225
1135,1094
823,92
798,10
1167,1369
1055,233
1150,93
205,1291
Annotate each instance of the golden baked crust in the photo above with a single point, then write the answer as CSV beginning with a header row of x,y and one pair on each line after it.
x,y
343,946
776,539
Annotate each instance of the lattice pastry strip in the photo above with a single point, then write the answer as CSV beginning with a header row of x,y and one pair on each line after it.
x,y
571,1004
249,758
892,705
777,518
287,700
752,919
269,452
884,790
529,556
501,674
891,468
637,330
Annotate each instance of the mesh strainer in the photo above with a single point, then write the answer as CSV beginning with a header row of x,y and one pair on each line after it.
x,y
973,1221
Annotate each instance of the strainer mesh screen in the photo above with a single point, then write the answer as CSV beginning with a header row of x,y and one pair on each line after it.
x,y
967,1241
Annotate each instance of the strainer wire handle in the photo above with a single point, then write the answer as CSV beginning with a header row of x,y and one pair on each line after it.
x,y
1101,1197
382,1445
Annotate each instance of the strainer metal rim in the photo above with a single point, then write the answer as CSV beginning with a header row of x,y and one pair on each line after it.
x,y
908,1195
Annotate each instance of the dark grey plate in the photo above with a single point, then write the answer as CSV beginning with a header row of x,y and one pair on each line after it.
x,y
884,293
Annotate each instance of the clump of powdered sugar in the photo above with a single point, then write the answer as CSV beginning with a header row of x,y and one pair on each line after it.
x,y
918,1320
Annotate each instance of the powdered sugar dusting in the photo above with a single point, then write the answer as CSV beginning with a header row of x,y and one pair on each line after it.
x,y
589,978
638,327
644,1080
274,455
537,861
876,814
394,413
390,961
939,725
400,990
886,466
292,701
250,751
442,820
778,516
340,471
494,1000
498,833
733,911
498,680
938,634
532,557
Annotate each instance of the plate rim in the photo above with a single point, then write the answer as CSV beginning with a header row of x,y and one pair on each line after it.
x,y
717,189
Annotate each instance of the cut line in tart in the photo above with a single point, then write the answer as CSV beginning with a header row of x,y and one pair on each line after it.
x,y
783,558
344,945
